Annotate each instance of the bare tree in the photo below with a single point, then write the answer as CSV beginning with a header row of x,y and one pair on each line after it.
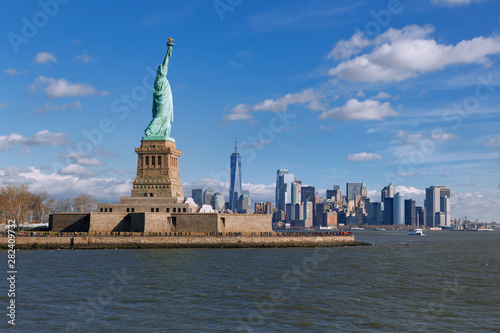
x,y
63,206
15,202
42,204
85,202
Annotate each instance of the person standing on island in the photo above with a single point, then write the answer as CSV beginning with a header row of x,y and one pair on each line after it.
x,y
163,106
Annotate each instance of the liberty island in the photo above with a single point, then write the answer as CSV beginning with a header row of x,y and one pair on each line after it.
x,y
157,205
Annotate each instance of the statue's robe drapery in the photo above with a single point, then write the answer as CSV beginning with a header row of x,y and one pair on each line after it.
x,y
163,106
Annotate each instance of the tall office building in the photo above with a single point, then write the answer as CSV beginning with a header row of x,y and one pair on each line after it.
x,y
410,213
296,192
337,195
388,211
197,194
269,208
375,213
391,190
334,194
353,189
207,196
399,209
308,193
218,202
235,182
444,205
387,192
260,208
308,213
245,205
420,216
284,181
444,191
329,194
432,205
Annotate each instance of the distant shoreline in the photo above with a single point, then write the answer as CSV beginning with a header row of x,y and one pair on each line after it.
x,y
173,242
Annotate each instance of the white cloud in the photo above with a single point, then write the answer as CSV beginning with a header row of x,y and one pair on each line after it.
x,y
382,95
412,138
84,58
68,185
3,105
417,137
45,58
77,170
57,88
356,110
360,94
443,136
204,184
446,175
358,157
41,138
482,205
325,128
493,142
401,54
346,48
411,192
11,71
453,2
244,111
81,159
50,106
408,190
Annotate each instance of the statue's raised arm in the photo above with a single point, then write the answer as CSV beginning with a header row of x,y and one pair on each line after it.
x,y
163,105
164,66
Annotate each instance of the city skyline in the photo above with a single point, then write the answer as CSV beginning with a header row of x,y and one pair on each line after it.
x,y
335,92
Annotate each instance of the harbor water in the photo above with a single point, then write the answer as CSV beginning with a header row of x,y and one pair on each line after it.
x,y
441,282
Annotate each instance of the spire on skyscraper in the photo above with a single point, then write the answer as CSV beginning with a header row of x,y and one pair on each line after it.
x,y
235,190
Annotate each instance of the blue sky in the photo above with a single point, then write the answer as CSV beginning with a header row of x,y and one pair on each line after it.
x,y
334,91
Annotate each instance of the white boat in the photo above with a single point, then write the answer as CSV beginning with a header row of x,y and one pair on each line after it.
x,y
380,229
415,232
357,228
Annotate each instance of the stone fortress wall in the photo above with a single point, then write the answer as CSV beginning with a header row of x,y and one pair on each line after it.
x,y
160,222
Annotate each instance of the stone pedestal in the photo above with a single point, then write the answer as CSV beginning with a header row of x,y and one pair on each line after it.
x,y
157,170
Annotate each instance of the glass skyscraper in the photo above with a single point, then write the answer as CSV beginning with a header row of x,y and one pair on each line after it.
x,y
399,209
197,194
352,190
432,205
284,181
235,186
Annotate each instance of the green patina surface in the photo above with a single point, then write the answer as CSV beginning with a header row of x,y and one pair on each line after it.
x,y
163,106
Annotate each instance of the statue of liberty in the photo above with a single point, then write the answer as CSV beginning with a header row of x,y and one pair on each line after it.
x,y
163,106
